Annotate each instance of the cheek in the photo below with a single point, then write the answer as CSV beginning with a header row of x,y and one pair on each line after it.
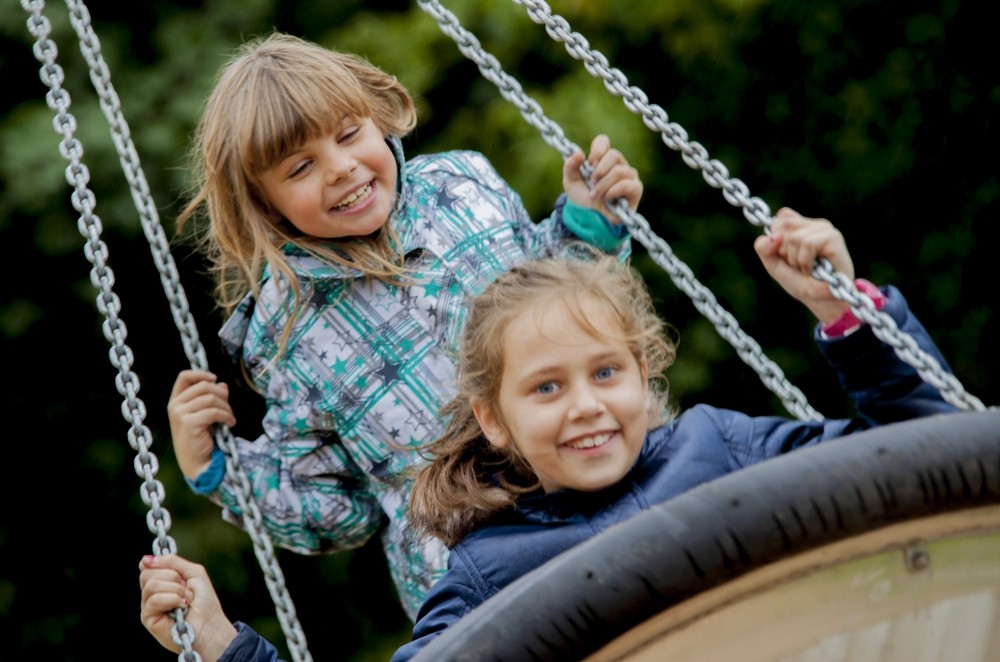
x,y
634,406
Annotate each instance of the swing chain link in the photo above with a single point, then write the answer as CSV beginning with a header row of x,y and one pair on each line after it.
x,y
704,301
654,117
102,277
146,464
886,329
737,194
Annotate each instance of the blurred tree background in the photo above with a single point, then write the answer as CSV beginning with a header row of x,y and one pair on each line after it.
x,y
880,116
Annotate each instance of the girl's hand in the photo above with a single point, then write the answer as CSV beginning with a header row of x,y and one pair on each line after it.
x,y
790,252
612,178
171,582
197,403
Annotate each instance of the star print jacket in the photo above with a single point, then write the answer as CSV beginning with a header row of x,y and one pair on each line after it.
x,y
369,365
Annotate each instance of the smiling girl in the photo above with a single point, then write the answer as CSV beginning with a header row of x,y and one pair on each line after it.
x,y
560,428
344,271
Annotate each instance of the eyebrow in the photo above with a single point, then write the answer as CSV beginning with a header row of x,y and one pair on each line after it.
x,y
547,371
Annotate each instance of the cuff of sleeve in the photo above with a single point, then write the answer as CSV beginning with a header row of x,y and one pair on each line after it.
x,y
209,480
848,323
592,226
248,645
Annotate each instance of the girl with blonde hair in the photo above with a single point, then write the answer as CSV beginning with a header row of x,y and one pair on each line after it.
x,y
344,270
561,426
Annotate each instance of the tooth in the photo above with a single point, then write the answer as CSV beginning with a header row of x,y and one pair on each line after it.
x,y
592,441
353,197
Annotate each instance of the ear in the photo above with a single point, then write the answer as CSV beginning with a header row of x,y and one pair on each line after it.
x,y
492,429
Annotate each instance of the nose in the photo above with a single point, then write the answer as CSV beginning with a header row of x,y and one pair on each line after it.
x,y
585,403
337,162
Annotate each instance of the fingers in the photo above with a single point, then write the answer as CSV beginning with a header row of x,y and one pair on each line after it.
x,y
164,590
197,404
801,240
197,401
789,255
169,582
171,564
612,176
201,406
187,378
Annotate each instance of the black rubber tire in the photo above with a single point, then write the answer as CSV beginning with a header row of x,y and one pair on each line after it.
x,y
592,594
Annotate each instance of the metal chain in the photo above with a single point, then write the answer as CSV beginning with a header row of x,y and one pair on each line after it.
x,y
158,518
737,194
885,328
704,301
102,277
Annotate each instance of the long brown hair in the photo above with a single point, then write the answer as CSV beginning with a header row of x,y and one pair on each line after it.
x,y
274,94
468,479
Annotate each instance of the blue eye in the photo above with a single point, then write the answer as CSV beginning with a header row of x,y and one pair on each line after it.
x,y
548,388
607,372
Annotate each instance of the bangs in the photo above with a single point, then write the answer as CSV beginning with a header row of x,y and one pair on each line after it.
x,y
292,106
583,305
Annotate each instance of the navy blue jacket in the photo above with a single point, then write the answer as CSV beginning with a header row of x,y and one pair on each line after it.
x,y
701,444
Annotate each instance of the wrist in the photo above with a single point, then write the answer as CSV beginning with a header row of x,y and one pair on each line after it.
x,y
848,323
209,480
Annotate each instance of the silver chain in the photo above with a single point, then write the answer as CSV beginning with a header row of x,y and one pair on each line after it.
x,y
737,194
102,277
682,276
133,409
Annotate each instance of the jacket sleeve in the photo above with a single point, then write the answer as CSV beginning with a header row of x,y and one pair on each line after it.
x,y
248,646
312,495
884,387
451,598
567,222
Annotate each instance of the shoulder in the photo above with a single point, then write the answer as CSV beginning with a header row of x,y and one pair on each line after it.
x,y
704,417
455,163
701,426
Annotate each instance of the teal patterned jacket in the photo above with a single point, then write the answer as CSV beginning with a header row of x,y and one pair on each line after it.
x,y
369,365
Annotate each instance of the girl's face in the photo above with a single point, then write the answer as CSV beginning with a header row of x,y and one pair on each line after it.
x,y
573,404
338,185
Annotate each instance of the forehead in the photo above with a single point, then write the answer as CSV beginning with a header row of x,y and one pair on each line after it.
x,y
291,110
560,322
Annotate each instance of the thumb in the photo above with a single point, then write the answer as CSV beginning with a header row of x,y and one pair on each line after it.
x,y
766,247
571,167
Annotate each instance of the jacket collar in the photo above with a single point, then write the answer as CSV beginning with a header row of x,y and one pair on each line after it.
x,y
573,505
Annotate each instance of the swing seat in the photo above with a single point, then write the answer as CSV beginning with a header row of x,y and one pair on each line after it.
x,y
883,546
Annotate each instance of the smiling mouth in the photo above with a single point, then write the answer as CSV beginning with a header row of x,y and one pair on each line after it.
x,y
592,441
354,198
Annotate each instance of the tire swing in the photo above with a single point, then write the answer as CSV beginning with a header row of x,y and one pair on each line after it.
x,y
881,546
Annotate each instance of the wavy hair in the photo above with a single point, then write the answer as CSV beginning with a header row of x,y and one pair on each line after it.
x,y
468,479
275,93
